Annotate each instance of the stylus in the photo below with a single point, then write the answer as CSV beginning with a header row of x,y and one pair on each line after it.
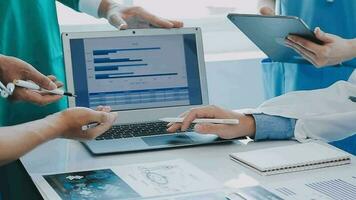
x,y
89,126
31,85
200,121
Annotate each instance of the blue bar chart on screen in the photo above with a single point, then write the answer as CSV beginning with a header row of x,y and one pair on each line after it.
x,y
135,72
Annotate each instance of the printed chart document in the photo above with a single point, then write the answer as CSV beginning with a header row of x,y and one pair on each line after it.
x,y
337,185
174,179
341,185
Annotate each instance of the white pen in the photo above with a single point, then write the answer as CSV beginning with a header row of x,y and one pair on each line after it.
x,y
200,121
33,86
89,126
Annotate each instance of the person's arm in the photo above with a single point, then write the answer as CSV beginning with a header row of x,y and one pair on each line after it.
x,y
123,17
131,17
15,141
246,126
334,50
266,7
256,126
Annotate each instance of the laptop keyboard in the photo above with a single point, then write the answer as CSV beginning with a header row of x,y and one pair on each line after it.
x,y
137,130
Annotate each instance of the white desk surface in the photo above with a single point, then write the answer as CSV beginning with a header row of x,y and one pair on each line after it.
x,y
65,155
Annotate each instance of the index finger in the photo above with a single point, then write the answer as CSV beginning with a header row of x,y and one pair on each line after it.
x,y
40,79
173,127
307,44
35,97
205,112
176,24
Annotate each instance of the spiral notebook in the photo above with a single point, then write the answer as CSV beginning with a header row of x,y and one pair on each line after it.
x,y
291,158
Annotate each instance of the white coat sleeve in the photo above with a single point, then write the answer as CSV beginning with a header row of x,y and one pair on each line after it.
x,y
325,114
328,128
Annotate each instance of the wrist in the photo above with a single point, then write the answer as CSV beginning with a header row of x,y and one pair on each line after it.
x,y
250,125
105,6
352,43
55,124
2,60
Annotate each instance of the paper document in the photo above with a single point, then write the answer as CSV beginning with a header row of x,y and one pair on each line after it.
x,y
174,179
341,185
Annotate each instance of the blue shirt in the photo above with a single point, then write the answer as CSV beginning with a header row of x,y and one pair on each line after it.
x,y
278,128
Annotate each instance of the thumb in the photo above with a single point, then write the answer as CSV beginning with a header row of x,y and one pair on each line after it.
x,y
40,79
321,35
106,121
117,21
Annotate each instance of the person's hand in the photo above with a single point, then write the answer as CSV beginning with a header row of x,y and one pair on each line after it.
x,y
15,69
123,17
246,127
268,11
335,49
72,120
266,7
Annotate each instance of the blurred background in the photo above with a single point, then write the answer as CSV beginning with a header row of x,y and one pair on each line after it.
x,y
232,61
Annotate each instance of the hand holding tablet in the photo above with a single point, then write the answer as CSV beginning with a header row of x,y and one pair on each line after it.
x,y
269,33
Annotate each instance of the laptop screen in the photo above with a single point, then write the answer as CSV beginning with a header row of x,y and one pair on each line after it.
x,y
136,72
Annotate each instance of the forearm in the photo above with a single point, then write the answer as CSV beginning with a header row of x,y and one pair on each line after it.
x,y
15,141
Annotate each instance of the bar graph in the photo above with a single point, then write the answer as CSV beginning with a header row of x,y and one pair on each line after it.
x,y
108,51
124,75
336,189
136,72
117,63
116,67
109,60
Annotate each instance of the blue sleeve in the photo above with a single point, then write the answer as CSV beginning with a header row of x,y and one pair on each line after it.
x,y
273,127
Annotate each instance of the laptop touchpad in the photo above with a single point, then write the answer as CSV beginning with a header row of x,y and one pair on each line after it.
x,y
174,139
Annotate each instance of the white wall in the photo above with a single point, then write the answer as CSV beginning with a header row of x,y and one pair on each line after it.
x,y
235,84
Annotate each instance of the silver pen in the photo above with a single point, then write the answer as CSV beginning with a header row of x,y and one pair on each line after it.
x,y
90,126
32,86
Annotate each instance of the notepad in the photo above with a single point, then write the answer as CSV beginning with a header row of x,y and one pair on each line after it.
x,y
298,157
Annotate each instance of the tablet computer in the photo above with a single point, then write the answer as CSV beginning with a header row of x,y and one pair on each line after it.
x,y
269,32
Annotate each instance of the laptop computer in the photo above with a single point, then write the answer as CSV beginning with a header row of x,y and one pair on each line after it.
x,y
144,75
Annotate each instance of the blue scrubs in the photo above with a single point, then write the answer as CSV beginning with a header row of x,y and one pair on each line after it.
x,y
333,16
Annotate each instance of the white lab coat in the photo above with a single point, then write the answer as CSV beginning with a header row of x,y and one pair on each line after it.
x,y
323,114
